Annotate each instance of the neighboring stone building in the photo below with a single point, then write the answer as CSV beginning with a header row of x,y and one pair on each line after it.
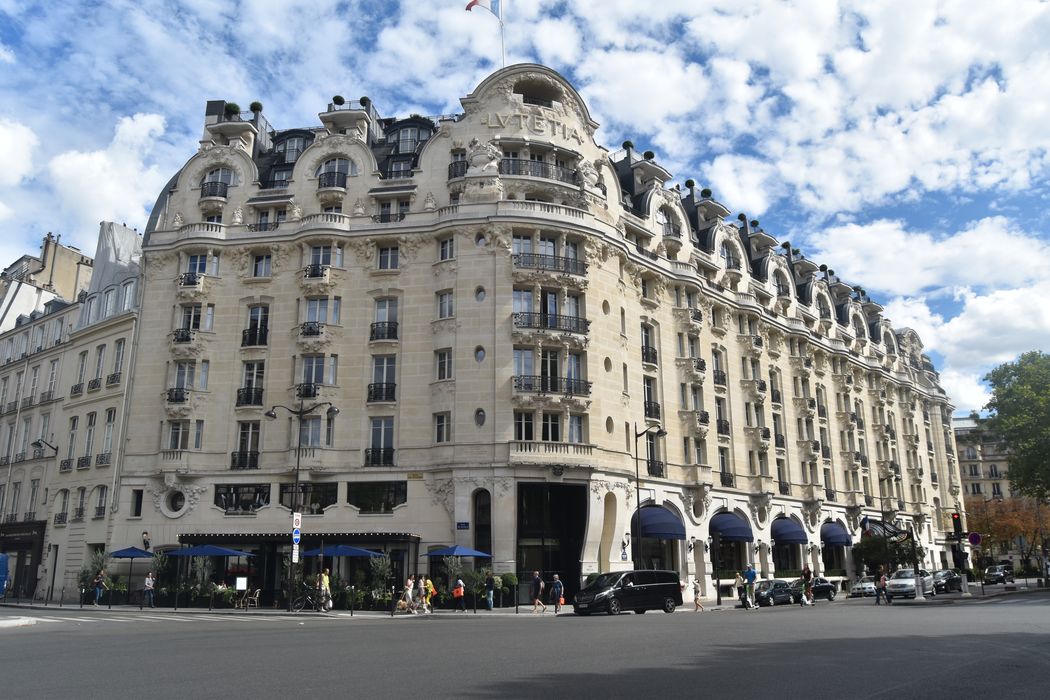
x,y
61,272
506,315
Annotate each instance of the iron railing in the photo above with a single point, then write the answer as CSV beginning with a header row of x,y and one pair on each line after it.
x,y
379,457
554,263
257,335
383,330
556,322
570,386
250,396
244,460
383,391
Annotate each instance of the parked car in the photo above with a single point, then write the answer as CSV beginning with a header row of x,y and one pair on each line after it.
x,y
639,591
902,584
772,592
822,588
946,581
863,587
1002,573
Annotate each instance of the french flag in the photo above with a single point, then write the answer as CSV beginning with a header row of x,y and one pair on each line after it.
x,y
492,6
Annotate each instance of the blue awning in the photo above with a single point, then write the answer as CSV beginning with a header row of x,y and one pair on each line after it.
x,y
658,523
835,535
788,531
731,528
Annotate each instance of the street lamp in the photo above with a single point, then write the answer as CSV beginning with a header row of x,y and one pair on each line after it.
x,y
660,432
892,477
41,443
299,413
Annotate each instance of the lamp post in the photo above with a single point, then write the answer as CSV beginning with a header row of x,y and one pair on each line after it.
x,y
893,477
714,543
299,413
660,432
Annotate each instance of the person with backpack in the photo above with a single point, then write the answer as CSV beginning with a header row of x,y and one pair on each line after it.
x,y
557,591
536,591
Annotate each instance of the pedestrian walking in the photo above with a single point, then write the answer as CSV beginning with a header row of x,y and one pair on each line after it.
x,y
749,582
741,589
100,585
696,596
431,592
807,586
490,588
324,583
880,588
459,592
407,602
557,593
421,594
536,592
147,590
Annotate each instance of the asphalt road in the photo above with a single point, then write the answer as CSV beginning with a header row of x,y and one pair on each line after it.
x,y
998,647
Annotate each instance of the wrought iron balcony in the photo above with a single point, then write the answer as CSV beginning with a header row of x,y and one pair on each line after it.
x,y
553,263
327,180
29,516
100,512
314,271
19,457
250,396
113,378
178,395
536,168
775,396
383,330
722,426
77,389
214,189
649,354
869,500
457,168
189,279
382,392
719,377
727,479
46,396
532,383
78,514
555,322
27,401
389,217
780,440
784,487
311,329
66,465
60,518
11,518
182,335
307,390
244,460
255,336
379,457
830,495
103,459
84,462
760,385
699,364
671,230
764,433
655,467
696,315
703,417
652,410
95,384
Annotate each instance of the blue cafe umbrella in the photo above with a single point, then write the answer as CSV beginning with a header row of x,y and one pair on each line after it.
x,y
205,550
341,550
130,553
458,551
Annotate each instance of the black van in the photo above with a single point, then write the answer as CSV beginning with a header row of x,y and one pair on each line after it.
x,y
630,590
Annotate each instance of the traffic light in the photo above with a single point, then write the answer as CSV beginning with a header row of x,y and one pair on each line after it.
x,y
957,525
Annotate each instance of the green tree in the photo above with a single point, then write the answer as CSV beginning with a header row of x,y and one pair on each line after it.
x,y
1020,408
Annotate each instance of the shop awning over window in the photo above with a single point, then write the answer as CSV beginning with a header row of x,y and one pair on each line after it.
x,y
788,531
731,528
658,523
835,534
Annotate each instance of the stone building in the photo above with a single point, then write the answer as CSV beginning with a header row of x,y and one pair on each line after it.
x,y
536,347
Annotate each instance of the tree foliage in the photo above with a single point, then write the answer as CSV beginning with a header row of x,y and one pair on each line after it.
x,y
1021,524
1020,407
873,551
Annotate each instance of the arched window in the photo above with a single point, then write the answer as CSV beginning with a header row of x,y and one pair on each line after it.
x,y
783,288
223,175
822,306
729,255
334,171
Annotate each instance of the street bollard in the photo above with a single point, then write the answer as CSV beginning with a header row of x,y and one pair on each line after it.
x,y
62,597
353,594
81,598
393,602
110,598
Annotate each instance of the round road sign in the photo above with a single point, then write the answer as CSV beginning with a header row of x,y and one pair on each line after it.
x,y
975,539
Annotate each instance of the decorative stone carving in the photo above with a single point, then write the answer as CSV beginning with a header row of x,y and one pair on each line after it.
x,y
409,245
364,249
191,493
759,504
811,511
177,221
483,157
358,208
588,174
238,217
429,203
295,212
442,493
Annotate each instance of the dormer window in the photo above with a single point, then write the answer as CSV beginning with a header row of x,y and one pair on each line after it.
x,y
823,308
729,256
223,175
408,139
400,169
290,149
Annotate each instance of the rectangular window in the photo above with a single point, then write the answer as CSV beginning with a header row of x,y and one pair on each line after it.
x,y
522,300
443,362
552,427
203,376
313,369
198,435
446,249
523,426
197,263
118,355
382,433
388,258
442,427
107,436
384,369
310,431
248,436
191,316
82,367
375,497
89,435
576,429
136,503
253,374
72,441
52,376
178,434
261,266
445,305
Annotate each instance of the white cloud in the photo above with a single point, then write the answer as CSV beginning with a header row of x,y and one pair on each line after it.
x,y
115,183
744,183
17,143
6,55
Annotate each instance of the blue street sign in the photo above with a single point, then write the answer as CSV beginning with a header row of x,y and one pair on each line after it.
x,y
295,536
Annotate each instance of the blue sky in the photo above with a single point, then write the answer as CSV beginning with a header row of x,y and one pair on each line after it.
x,y
904,143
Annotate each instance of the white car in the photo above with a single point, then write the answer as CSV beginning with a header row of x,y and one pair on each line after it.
x,y
902,584
864,587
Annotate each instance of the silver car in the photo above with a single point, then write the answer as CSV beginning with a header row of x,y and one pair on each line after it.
x,y
902,584
863,587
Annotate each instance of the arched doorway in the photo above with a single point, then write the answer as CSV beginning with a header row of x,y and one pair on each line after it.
x,y
657,532
483,520
608,540
788,538
834,540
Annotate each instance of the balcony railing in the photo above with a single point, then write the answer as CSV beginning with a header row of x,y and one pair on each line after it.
x,y
244,460
532,383
703,417
189,279
112,378
727,479
825,451
254,336
869,500
60,518
719,377
77,389
389,217
95,384
649,354
326,180
178,395
722,426
784,487
182,335
457,168
779,440
46,396
11,518
775,396
671,230
100,512
103,459
652,410
381,392
655,467
535,168
314,271
311,329
78,514
250,396
29,516
554,322
307,390
27,401
383,330
84,462
554,263
66,465
696,315
19,457
830,495
699,364
214,189
379,457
